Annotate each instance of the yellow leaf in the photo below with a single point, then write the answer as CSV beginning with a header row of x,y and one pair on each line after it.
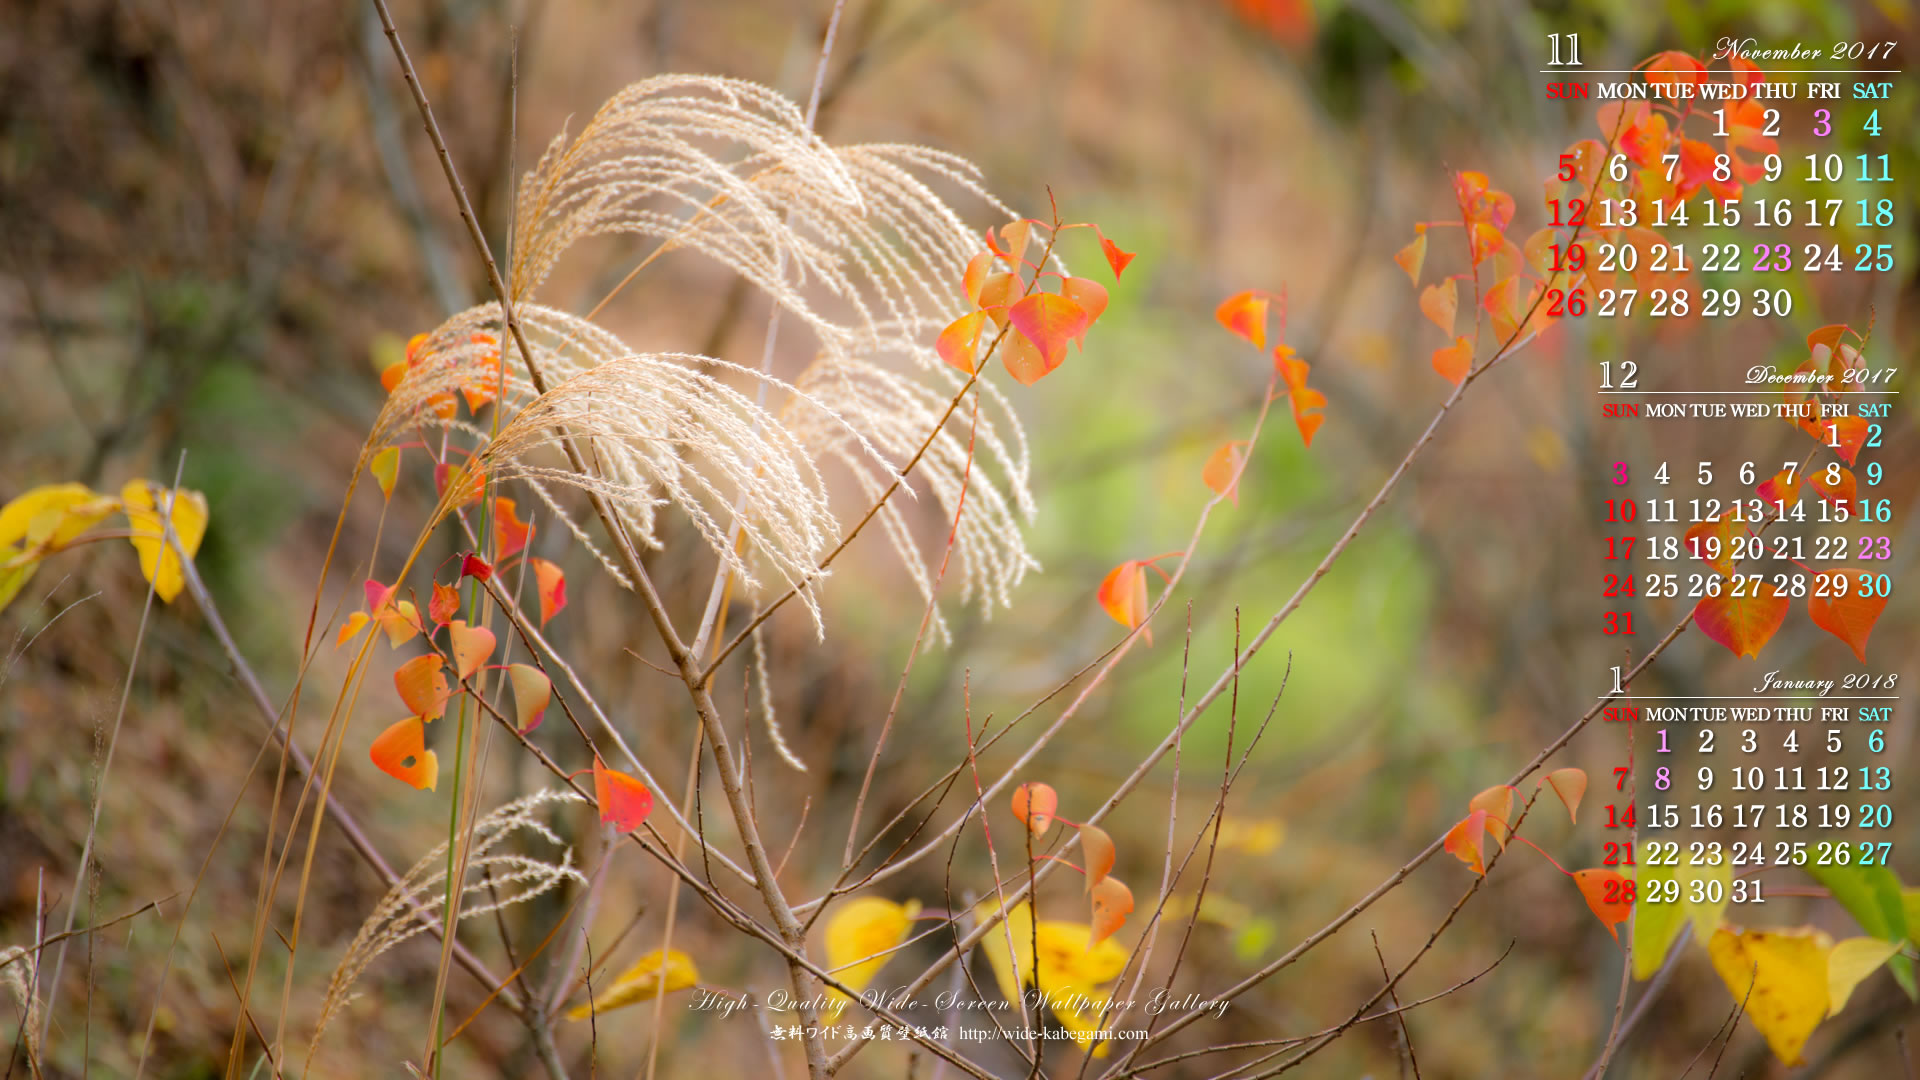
x,y
859,939
385,468
1851,962
642,982
147,506
1782,977
1704,880
52,514
1654,925
1070,967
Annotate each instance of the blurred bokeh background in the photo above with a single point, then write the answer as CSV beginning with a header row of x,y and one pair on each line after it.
x,y
219,219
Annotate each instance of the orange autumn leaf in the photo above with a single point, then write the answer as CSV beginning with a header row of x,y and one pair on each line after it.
x,y
1097,848
471,645
1783,488
1480,203
1608,896
1123,594
1841,493
1022,360
1570,784
1486,240
1016,234
551,583
354,624
1497,801
1844,612
1117,259
1245,313
1673,66
1222,470
997,292
1050,321
401,752
1440,303
975,276
1466,841
1828,335
1711,542
1112,902
510,534
1090,295
960,341
1304,400
624,801
1745,623
1454,361
398,619
532,692
1845,435
444,605
423,686
1034,805
1412,257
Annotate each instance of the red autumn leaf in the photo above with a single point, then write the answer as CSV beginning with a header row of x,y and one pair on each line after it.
x,y
1050,321
444,605
1034,804
1245,313
1112,902
1497,801
532,692
1123,593
976,273
624,801
1466,841
1441,303
471,645
551,583
1412,257
510,534
1608,895
1090,295
1454,361
1845,435
1117,259
1222,470
1570,784
423,686
1097,848
1783,488
1697,164
401,752
1745,72
398,619
1841,493
1711,541
1745,623
1845,613
960,341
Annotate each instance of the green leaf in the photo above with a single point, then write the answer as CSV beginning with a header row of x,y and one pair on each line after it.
x,y
1872,895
